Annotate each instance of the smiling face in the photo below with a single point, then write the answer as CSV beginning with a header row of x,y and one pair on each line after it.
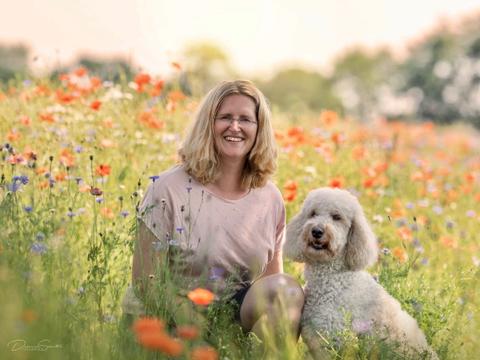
x,y
235,127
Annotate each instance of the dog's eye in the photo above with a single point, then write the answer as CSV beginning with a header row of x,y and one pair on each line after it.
x,y
313,213
336,217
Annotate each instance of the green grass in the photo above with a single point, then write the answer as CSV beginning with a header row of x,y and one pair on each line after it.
x,y
65,263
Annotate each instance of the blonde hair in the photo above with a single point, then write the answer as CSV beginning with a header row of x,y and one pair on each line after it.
x,y
198,153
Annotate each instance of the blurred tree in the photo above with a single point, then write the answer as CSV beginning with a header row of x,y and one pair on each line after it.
x,y
443,72
427,74
206,64
358,78
299,90
13,61
113,69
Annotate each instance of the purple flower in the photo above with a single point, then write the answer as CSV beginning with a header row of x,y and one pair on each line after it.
x,y
99,200
470,213
179,230
124,213
437,209
154,177
38,248
78,149
71,214
28,209
22,179
216,273
362,326
14,187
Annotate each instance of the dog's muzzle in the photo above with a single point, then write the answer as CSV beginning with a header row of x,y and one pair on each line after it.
x,y
317,240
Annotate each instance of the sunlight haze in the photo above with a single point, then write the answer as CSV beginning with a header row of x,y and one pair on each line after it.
x,y
258,35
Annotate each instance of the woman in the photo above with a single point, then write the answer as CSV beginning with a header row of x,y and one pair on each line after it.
x,y
221,212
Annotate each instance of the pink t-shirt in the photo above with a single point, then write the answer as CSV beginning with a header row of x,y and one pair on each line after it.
x,y
218,237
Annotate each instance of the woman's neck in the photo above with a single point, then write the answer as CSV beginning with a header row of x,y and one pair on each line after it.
x,y
229,181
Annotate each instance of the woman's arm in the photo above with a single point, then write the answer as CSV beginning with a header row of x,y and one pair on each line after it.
x,y
275,266
143,258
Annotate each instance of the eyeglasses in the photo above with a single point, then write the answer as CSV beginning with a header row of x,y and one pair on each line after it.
x,y
243,122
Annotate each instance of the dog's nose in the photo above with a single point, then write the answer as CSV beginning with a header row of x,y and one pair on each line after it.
x,y
317,233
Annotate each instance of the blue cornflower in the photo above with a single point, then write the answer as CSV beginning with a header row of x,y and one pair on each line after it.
x,y
28,208
99,200
71,214
78,149
78,180
22,179
38,248
124,213
437,209
179,229
216,273
154,177
52,182
13,187
151,103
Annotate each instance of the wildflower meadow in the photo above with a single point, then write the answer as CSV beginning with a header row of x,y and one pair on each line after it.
x,y
77,153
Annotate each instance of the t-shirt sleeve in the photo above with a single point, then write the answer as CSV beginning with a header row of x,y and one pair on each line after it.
x,y
154,211
281,225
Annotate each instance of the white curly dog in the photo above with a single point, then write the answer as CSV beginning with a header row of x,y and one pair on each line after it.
x,y
332,237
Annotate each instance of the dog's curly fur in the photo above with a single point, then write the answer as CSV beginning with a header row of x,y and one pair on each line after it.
x,y
333,238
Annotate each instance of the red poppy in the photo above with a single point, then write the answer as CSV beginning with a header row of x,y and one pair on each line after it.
x,y
290,185
204,353
81,71
95,104
148,324
67,158
187,332
337,182
103,170
201,296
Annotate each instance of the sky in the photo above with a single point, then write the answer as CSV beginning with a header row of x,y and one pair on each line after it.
x,y
258,35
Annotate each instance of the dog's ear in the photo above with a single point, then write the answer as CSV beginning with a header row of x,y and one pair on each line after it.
x,y
293,243
361,249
